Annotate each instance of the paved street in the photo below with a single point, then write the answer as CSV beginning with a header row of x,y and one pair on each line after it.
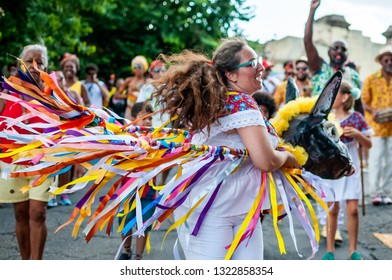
x,y
62,246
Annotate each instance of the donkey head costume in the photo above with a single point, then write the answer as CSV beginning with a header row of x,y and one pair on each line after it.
x,y
328,156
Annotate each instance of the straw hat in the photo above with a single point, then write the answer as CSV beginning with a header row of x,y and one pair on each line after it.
x,y
385,50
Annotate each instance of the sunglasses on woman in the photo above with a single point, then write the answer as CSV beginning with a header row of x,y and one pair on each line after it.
x,y
253,62
158,70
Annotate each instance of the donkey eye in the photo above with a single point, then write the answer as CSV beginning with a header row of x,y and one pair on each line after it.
x,y
331,131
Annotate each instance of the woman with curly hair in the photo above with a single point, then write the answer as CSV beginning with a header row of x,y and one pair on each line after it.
x,y
213,99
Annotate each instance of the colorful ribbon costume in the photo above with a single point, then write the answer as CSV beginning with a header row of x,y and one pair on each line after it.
x,y
113,153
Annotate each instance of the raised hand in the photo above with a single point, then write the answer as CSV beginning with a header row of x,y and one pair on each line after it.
x,y
314,4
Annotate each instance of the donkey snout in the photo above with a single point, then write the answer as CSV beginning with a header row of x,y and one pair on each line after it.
x,y
352,171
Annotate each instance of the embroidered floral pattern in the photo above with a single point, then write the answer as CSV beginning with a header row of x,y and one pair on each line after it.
x,y
239,101
357,121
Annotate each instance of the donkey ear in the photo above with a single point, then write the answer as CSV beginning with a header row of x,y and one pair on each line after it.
x,y
292,91
327,97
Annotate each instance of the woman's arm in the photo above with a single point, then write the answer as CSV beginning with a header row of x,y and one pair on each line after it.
x,y
75,96
119,93
261,152
85,97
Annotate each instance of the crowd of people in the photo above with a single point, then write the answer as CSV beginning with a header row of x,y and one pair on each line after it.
x,y
216,118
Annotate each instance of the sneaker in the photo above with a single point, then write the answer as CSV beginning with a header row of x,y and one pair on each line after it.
x,y
324,232
64,200
386,199
355,256
377,200
52,202
338,237
329,256
138,257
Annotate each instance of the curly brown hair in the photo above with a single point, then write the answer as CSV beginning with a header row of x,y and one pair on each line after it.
x,y
195,87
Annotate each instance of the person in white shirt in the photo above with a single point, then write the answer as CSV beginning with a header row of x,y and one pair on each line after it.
x,y
96,89
156,69
269,82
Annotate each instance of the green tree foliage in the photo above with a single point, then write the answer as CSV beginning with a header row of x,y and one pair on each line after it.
x,y
111,32
58,24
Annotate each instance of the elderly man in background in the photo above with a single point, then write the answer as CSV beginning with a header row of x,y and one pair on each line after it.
x,y
377,99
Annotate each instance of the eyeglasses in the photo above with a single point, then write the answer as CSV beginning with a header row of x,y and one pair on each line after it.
x,y
137,66
337,47
253,62
302,68
158,70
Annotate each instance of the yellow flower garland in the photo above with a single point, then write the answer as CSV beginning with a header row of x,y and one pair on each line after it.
x,y
301,105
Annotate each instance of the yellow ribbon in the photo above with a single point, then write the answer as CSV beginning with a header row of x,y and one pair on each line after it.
x,y
318,200
245,223
302,195
275,214
21,149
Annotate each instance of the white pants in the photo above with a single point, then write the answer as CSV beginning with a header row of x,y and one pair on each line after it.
x,y
214,235
380,166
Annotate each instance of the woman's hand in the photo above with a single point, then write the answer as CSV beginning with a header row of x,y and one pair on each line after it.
x,y
291,161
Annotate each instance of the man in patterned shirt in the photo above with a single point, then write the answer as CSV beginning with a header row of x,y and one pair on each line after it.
x,y
320,70
377,97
